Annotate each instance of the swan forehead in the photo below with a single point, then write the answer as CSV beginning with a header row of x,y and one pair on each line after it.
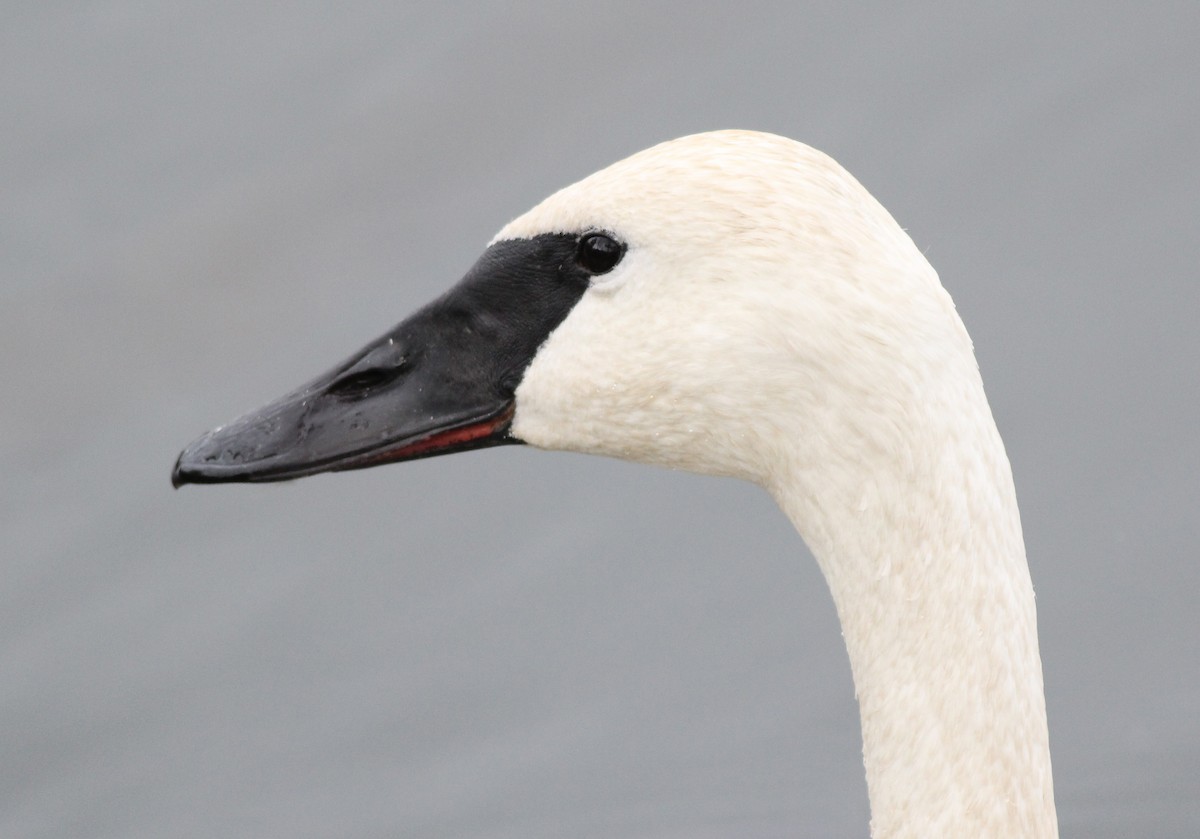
x,y
717,183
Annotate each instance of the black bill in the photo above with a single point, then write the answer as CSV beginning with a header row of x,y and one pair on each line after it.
x,y
440,382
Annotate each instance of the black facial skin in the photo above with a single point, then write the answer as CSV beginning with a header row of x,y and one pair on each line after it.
x,y
440,382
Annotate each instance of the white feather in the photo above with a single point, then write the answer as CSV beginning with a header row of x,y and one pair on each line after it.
x,y
771,321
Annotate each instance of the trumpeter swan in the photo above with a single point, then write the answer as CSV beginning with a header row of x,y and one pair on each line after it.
x,y
735,303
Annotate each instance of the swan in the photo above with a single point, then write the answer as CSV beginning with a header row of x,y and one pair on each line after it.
x,y
735,303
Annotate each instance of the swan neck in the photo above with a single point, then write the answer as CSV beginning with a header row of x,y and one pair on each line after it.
x,y
921,546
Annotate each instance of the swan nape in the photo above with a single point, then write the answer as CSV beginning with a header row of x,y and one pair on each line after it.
x,y
735,303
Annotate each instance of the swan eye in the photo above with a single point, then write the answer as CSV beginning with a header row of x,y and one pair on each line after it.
x,y
599,253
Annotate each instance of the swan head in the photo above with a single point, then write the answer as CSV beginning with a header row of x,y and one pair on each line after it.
x,y
726,303
737,304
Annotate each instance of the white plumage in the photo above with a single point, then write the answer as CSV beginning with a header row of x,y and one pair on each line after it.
x,y
771,321
736,304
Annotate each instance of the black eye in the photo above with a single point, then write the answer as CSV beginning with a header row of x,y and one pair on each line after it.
x,y
599,253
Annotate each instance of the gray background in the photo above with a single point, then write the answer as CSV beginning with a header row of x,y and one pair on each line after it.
x,y
204,203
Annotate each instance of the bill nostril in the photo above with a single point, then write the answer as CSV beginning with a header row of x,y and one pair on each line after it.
x,y
358,382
